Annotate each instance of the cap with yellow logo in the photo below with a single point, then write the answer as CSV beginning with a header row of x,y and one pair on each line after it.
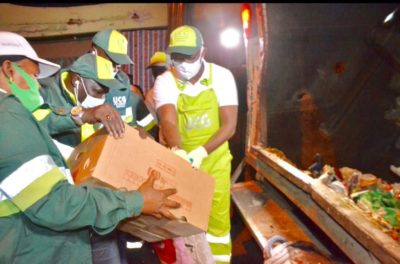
x,y
185,40
94,67
114,44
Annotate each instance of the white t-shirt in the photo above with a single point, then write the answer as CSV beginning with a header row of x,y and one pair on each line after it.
x,y
223,83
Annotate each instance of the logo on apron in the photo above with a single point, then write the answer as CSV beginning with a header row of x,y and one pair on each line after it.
x,y
198,122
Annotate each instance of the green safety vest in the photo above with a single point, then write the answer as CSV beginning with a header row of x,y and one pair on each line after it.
x,y
43,218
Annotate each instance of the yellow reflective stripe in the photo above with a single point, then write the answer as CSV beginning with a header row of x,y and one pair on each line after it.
x,y
147,123
128,119
152,124
26,174
64,76
40,114
38,189
218,239
7,208
86,131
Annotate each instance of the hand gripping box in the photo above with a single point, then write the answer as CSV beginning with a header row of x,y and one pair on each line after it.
x,y
124,164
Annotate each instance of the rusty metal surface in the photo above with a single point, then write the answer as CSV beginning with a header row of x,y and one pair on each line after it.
x,y
265,217
303,200
322,50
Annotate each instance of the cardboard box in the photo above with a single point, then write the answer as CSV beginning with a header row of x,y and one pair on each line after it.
x,y
124,163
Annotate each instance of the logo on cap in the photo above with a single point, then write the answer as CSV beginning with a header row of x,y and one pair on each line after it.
x,y
104,68
184,36
117,43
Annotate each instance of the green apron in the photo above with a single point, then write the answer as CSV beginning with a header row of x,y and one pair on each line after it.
x,y
198,121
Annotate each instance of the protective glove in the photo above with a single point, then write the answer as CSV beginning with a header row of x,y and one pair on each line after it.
x,y
196,156
181,153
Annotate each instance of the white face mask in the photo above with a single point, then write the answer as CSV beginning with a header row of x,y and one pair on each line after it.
x,y
89,101
188,70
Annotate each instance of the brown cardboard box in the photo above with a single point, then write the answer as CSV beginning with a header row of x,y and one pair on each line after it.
x,y
124,163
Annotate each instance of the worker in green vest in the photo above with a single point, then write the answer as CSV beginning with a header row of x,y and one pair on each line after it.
x,y
112,45
197,106
43,218
68,111
83,87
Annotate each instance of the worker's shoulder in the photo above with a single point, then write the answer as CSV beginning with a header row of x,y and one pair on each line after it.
x,y
7,101
51,81
219,69
10,107
137,91
166,76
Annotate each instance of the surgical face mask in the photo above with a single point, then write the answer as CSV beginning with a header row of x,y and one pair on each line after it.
x,y
89,101
30,98
187,70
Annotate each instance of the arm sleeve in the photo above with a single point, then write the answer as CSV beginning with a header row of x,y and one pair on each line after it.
x,y
59,206
69,207
165,91
55,123
225,87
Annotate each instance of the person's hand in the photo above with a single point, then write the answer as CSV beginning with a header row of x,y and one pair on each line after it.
x,y
180,153
108,116
143,133
196,156
156,202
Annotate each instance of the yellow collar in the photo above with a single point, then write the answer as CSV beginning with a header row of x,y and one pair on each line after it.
x,y
63,78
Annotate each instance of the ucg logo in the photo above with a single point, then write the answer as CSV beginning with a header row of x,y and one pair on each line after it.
x,y
119,101
198,122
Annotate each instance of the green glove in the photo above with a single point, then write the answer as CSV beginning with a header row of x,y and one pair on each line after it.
x,y
196,156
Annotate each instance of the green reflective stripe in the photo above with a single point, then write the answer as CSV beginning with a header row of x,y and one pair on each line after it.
x,y
38,188
40,114
7,208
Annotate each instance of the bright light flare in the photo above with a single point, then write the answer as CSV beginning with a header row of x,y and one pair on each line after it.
x,y
390,16
230,38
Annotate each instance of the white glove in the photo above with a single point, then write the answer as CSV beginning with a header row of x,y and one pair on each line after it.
x,y
196,156
181,153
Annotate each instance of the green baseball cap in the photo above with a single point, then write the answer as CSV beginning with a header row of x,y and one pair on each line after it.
x,y
96,68
185,40
114,44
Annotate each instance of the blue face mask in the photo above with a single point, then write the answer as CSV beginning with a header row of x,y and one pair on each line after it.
x,y
29,98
